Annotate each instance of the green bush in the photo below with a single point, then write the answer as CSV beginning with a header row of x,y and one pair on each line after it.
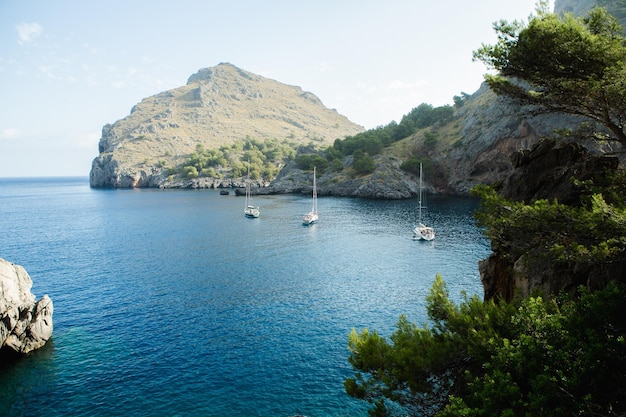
x,y
537,357
363,164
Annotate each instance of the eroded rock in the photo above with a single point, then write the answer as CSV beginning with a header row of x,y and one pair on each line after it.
x,y
25,324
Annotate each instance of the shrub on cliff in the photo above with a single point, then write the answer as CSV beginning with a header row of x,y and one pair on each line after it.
x,y
540,356
362,163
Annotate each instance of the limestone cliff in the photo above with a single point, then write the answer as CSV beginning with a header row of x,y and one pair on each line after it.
x,y
546,172
25,324
217,106
475,147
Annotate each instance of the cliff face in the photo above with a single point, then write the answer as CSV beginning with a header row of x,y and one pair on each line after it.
x,y
25,324
474,148
223,104
546,172
218,106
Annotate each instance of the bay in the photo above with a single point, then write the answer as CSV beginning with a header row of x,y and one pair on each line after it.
x,y
172,303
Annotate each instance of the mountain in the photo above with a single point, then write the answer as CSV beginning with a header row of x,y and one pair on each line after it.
x,y
224,104
217,107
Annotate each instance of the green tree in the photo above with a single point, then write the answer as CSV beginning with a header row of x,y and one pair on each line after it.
x,y
308,161
363,164
572,65
534,357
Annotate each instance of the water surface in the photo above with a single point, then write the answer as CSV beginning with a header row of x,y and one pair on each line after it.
x,y
172,303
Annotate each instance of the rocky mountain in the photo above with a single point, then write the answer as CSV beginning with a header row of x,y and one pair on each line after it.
x,y
224,104
474,147
217,106
581,7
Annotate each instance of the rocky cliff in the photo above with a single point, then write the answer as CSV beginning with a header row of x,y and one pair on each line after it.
x,y
475,147
547,172
224,104
25,324
216,107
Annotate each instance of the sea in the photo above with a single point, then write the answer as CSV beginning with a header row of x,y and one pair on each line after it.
x,y
172,303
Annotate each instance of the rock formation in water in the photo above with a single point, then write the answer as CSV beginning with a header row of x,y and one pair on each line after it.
x,y
217,106
25,324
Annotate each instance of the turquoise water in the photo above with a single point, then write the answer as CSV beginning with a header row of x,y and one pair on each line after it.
x,y
172,303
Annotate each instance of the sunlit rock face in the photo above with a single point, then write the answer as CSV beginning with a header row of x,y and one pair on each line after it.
x,y
217,107
25,324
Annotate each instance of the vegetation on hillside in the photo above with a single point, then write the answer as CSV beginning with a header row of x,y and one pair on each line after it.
x,y
363,146
374,140
265,160
268,157
549,354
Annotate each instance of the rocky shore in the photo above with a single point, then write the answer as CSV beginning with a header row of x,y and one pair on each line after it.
x,y
25,324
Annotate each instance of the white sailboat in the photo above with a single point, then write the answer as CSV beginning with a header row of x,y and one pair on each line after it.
x,y
421,231
250,211
312,216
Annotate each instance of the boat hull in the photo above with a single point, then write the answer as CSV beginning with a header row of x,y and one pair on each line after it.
x,y
251,212
422,232
309,218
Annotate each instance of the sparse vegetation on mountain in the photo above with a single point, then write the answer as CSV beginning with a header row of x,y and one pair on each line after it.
x,y
374,140
264,157
219,107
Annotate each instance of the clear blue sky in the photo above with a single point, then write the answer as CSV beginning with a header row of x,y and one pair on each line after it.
x,y
68,67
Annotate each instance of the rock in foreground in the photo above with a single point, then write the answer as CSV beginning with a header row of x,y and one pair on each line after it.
x,y
25,324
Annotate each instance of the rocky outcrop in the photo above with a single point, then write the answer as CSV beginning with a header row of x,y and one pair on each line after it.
x,y
217,107
490,129
546,172
25,324
387,182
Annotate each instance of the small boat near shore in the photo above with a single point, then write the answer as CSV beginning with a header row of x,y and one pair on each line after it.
x,y
421,231
311,217
250,210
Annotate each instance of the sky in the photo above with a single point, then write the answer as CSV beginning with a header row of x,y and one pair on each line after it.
x,y
69,67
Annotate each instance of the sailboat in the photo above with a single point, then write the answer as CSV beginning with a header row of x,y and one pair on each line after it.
x,y
422,232
250,211
311,217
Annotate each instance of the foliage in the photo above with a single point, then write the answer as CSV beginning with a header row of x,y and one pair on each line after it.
x,y
308,161
430,140
566,358
264,159
374,140
537,357
412,165
590,234
363,164
572,65
459,101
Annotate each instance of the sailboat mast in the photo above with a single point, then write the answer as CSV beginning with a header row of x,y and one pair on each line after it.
x,y
314,192
420,195
248,186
